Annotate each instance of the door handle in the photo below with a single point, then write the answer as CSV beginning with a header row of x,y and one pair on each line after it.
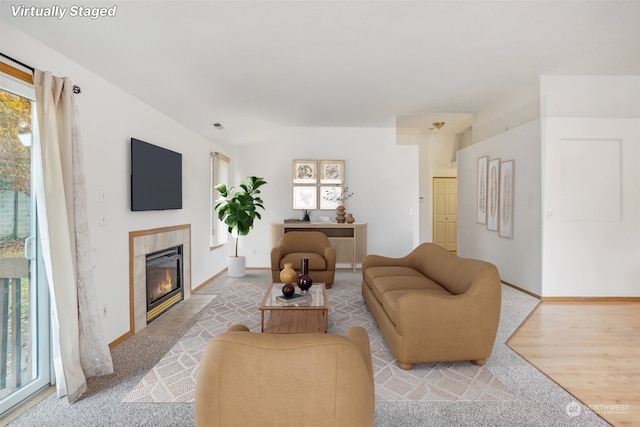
x,y
28,248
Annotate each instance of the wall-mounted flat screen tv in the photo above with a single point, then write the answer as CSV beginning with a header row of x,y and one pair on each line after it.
x,y
156,177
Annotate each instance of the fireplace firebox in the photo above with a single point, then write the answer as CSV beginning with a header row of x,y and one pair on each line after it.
x,y
164,281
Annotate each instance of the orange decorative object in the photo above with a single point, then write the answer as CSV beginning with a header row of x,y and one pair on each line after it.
x,y
340,215
288,274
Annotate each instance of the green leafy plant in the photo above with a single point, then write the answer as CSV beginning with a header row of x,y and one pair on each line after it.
x,y
238,208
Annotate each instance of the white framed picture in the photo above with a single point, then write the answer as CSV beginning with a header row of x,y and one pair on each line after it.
x,y
331,171
305,171
505,214
305,197
493,194
481,192
331,196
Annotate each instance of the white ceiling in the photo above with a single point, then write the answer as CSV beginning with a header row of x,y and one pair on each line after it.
x,y
252,65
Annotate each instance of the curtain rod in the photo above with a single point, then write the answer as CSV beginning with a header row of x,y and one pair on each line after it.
x,y
17,62
76,89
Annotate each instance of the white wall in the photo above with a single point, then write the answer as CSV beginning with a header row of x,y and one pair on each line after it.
x,y
518,259
109,117
595,253
382,175
563,245
514,109
508,129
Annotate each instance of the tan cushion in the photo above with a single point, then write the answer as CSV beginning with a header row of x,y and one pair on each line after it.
x,y
304,241
382,285
390,300
373,272
316,261
454,273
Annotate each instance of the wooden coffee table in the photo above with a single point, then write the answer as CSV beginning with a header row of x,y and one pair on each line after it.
x,y
295,319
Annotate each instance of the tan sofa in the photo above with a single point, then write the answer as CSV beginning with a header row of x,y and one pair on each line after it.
x,y
433,306
315,245
252,379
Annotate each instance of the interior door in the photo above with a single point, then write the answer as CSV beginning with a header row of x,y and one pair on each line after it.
x,y
445,207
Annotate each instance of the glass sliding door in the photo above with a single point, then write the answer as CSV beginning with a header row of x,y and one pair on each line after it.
x,y
24,305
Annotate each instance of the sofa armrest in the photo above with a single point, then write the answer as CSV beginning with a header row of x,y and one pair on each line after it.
x,y
469,320
427,314
358,335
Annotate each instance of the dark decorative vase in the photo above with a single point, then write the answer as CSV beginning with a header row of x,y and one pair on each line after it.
x,y
288,290
304,280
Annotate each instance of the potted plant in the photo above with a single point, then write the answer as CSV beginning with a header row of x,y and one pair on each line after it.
x,y
238,209
335,195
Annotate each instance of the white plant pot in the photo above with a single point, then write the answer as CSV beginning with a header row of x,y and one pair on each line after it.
x,y
236,266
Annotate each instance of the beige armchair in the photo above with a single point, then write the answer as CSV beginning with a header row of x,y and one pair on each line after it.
x,y
315,245
252,379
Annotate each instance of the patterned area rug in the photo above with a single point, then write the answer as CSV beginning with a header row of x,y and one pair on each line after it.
x,y
174,376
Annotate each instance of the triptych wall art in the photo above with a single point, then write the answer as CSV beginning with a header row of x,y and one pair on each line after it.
x,y
495,195
317,184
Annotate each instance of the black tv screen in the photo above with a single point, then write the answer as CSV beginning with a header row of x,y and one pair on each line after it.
x,y
156,177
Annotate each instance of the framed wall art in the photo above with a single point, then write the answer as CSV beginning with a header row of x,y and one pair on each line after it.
x,y
305,197
493,194
305,171
331,171
505,212
481,193
331,197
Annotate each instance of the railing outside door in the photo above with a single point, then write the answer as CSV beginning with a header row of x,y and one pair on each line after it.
x,y
15,366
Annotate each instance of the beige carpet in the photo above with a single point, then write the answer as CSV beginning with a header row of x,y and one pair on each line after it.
x,y
173,378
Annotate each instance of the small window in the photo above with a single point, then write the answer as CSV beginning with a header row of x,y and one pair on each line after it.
x,y
219,175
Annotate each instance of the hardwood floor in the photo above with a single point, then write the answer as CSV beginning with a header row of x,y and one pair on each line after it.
x,y
592,350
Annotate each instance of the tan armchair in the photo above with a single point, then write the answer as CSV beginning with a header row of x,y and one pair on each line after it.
x,y
252,379
315,245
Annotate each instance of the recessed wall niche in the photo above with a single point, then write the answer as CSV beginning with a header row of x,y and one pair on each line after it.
x,y
591,180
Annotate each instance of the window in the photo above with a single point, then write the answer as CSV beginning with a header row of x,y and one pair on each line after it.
x,y
219,175
24,304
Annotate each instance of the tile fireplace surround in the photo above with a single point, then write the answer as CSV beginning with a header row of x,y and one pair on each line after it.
x,y
143,242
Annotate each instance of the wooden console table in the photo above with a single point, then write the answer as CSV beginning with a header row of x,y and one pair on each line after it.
x,y
349,240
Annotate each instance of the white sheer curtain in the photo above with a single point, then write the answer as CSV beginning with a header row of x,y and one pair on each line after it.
x,y
79,348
